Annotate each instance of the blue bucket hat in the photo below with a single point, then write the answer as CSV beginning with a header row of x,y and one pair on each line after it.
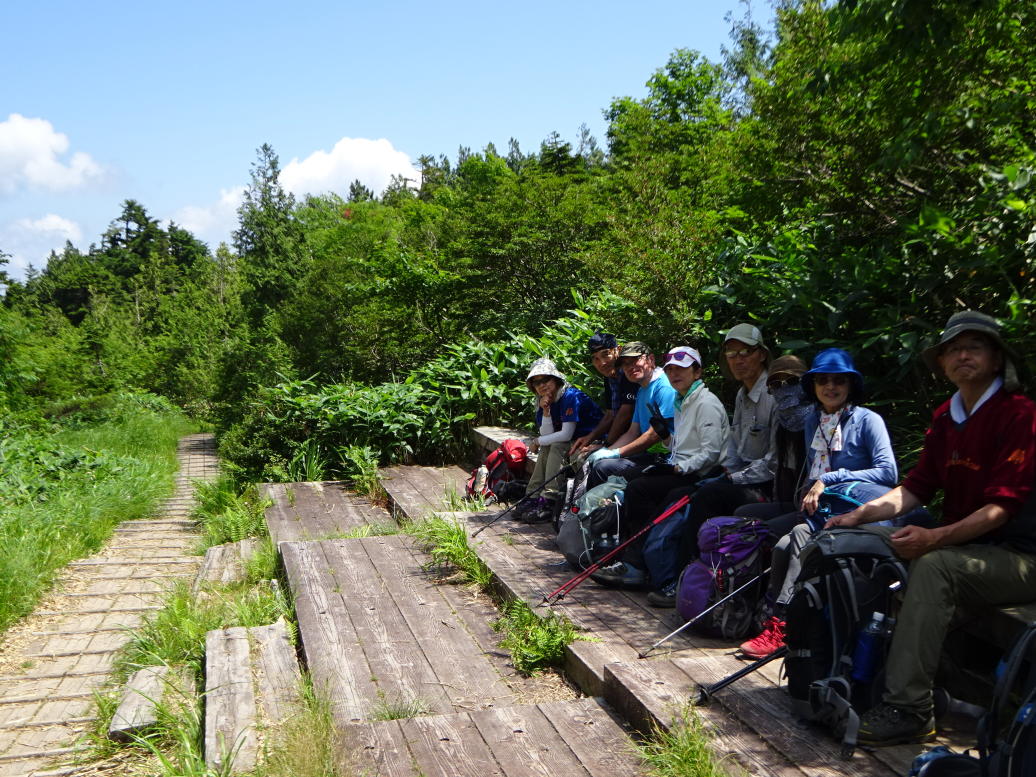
x,y
833,361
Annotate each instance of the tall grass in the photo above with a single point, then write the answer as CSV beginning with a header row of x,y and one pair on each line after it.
x,y
684,750
65,485
227,513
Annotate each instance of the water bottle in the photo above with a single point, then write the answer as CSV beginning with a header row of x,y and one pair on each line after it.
x,y
868,649
481,478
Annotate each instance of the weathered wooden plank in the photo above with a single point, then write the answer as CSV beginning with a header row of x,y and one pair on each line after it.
x,y
601,746
317,510
449,746
525,744
418,491
764,707
650,693
395,658
447,643
335,660
230,707
225,564
137,710
585,659
375,750
277,672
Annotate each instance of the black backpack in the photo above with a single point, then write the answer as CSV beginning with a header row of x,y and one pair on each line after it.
x,y
585,539
1013,754
847,574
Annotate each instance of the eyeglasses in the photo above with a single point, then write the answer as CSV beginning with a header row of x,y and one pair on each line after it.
x,y
776,383
739,354
970,347
540,380
682,358
836,379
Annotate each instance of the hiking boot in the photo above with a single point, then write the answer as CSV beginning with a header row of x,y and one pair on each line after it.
x,y
664,597
527,506
890,725
544,513
619,574
771,639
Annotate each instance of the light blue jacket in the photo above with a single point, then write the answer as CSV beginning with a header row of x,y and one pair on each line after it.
x,y
866,449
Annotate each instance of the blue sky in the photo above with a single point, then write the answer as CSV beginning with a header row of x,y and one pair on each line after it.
x,y
166,103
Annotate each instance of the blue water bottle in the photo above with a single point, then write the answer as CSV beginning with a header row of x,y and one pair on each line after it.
x,y
868,649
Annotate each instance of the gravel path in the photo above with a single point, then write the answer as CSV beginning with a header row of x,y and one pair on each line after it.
x,y
51,662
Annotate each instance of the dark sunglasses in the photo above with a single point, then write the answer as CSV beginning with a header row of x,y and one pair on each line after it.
x,y
836,378
682,358
776,383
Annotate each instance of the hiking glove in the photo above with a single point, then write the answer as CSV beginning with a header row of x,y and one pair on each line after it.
x,y
661,427
602,453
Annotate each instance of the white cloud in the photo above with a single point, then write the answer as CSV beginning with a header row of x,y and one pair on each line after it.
x,y
212,223
373,162
31,156
30,241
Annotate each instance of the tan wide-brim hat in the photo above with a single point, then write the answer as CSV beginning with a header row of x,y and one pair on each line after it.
x,y
973,321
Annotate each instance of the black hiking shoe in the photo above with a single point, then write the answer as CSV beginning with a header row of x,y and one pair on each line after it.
x,y
527,506
890,725
543,514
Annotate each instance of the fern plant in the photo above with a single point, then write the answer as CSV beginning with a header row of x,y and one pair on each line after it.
x,y
534,642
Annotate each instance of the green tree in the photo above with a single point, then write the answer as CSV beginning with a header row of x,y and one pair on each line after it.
x,y
269,241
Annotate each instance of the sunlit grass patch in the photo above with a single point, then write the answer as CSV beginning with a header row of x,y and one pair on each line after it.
x,y
684,750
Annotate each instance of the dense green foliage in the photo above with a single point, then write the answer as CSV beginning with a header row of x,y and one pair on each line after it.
x,y
850,176
65,483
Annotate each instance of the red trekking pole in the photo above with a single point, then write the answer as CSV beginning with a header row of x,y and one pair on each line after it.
x,y
558,594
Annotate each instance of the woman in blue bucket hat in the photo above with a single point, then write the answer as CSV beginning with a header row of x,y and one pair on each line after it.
x,y
849,460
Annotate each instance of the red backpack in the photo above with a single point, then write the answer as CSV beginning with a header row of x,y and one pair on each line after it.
x,y
503,465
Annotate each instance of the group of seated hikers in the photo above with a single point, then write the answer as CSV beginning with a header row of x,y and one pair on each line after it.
x,y
799,438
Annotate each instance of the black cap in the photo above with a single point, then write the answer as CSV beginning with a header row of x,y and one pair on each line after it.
x,y
600,341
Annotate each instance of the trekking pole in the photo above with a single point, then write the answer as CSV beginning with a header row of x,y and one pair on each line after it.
x,y
559,593
563,471
703,613
706,692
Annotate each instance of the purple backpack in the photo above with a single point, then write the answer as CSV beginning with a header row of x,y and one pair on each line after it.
x,y
732,551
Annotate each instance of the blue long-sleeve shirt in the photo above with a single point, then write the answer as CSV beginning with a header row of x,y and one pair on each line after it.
x,y
866,453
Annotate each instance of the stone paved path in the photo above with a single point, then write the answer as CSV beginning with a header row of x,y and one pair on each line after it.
x,y
51,662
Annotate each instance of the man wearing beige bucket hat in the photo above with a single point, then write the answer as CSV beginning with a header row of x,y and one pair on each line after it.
x,y
980,450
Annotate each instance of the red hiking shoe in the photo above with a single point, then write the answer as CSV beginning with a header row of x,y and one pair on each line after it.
x,y
771,638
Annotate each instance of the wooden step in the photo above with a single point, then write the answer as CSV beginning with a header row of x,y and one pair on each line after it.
x,y
752,719
318,511
251,685
376,630
562,739
527,565
225,564
138,707
415,492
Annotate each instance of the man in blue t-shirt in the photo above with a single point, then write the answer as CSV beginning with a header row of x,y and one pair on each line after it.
x,y
617,401
630,453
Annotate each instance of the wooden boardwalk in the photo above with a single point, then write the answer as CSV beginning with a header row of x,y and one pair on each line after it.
x,y
56,658
417,491
752,719
555,739
383,638
318,511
